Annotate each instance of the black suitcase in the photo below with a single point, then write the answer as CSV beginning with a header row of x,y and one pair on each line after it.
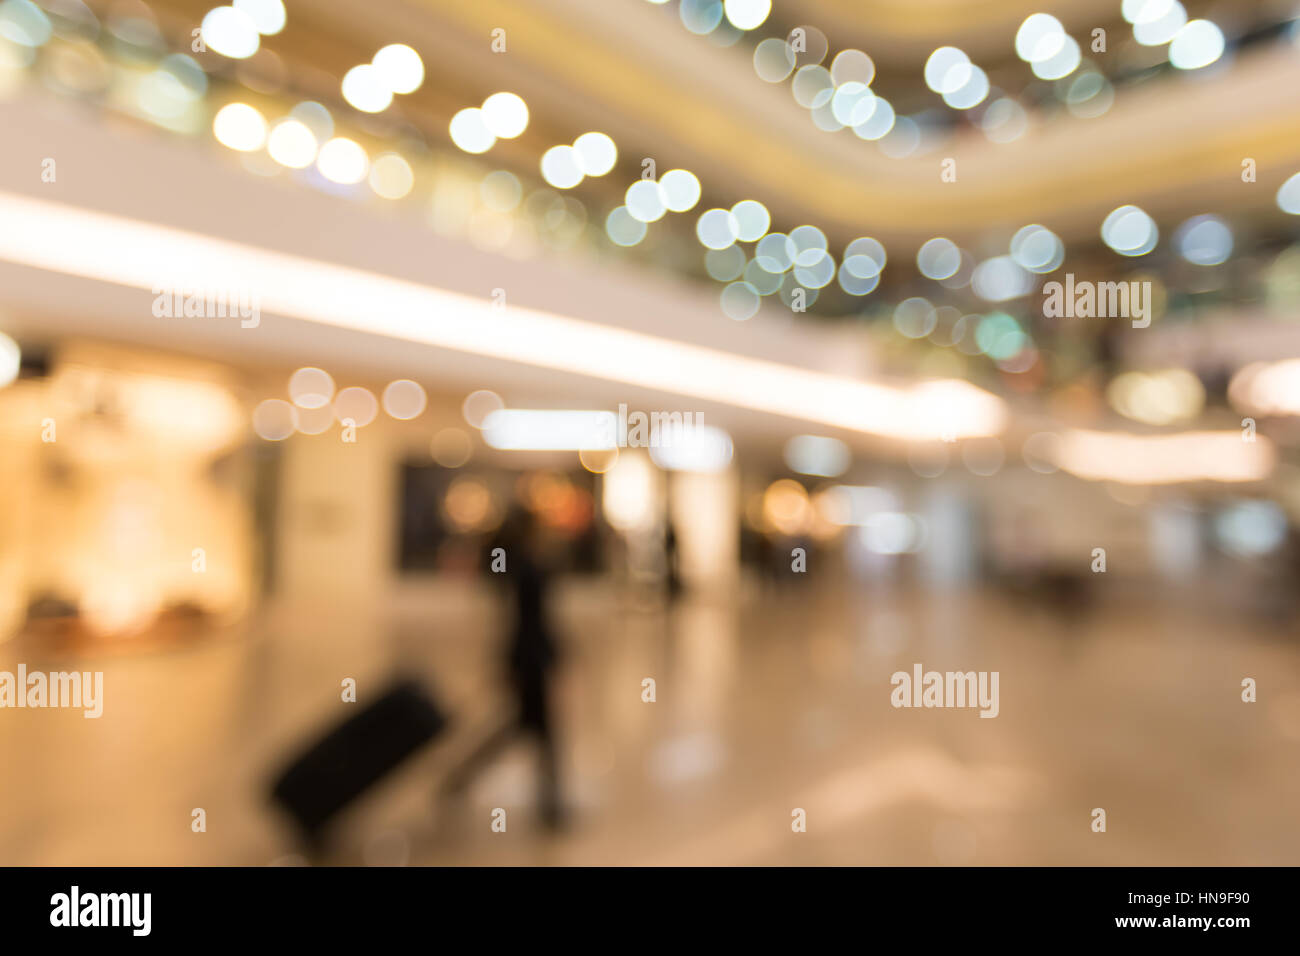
x,y
356,754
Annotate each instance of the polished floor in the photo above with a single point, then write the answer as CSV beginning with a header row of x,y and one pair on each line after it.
x,y
765,703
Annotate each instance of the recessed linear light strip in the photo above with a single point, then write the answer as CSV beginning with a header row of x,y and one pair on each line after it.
x,y
137,254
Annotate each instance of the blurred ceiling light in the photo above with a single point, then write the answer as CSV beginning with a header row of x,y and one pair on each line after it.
x,y
268,16
1131,9
717,229
1196,45
948,70
681,190
747,14
314,421
343,161
817,455
752,220
880,123
1039,38
311,387
774,60
1064,62
1088,95
772,254
740,301
291,144
597,154
628,493
1001,278
816,274
561,167
1037,249
644,200
892,532
598,460
240,127
505,115
10,360
1165,459
971,93
274,419
1158,21
1249,529
479,405
391,176
915,318
852,66
469,504
806,245
786,507
1204,240
400,68
469,131
64,239
812,86
404,399
623,228
24,23
230,32
366,89
865,257
699,448
938,258
853,104
1129,231
1163,397
526,429
701,17
356,405
999,336
1288,196
1267,388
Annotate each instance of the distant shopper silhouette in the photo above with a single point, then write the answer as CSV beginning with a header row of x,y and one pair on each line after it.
x,y
530,657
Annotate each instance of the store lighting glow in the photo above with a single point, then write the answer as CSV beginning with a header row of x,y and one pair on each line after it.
x,y
1267,388
1165,459
533,429
64,239
703,449
231,32
817,455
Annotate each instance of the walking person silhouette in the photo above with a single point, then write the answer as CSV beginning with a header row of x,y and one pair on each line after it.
x,y
529,659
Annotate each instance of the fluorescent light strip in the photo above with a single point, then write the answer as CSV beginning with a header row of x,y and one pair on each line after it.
x,y
128,252
527,429
1165,459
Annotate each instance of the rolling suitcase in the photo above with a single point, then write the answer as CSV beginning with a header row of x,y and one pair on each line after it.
x,y
357,754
